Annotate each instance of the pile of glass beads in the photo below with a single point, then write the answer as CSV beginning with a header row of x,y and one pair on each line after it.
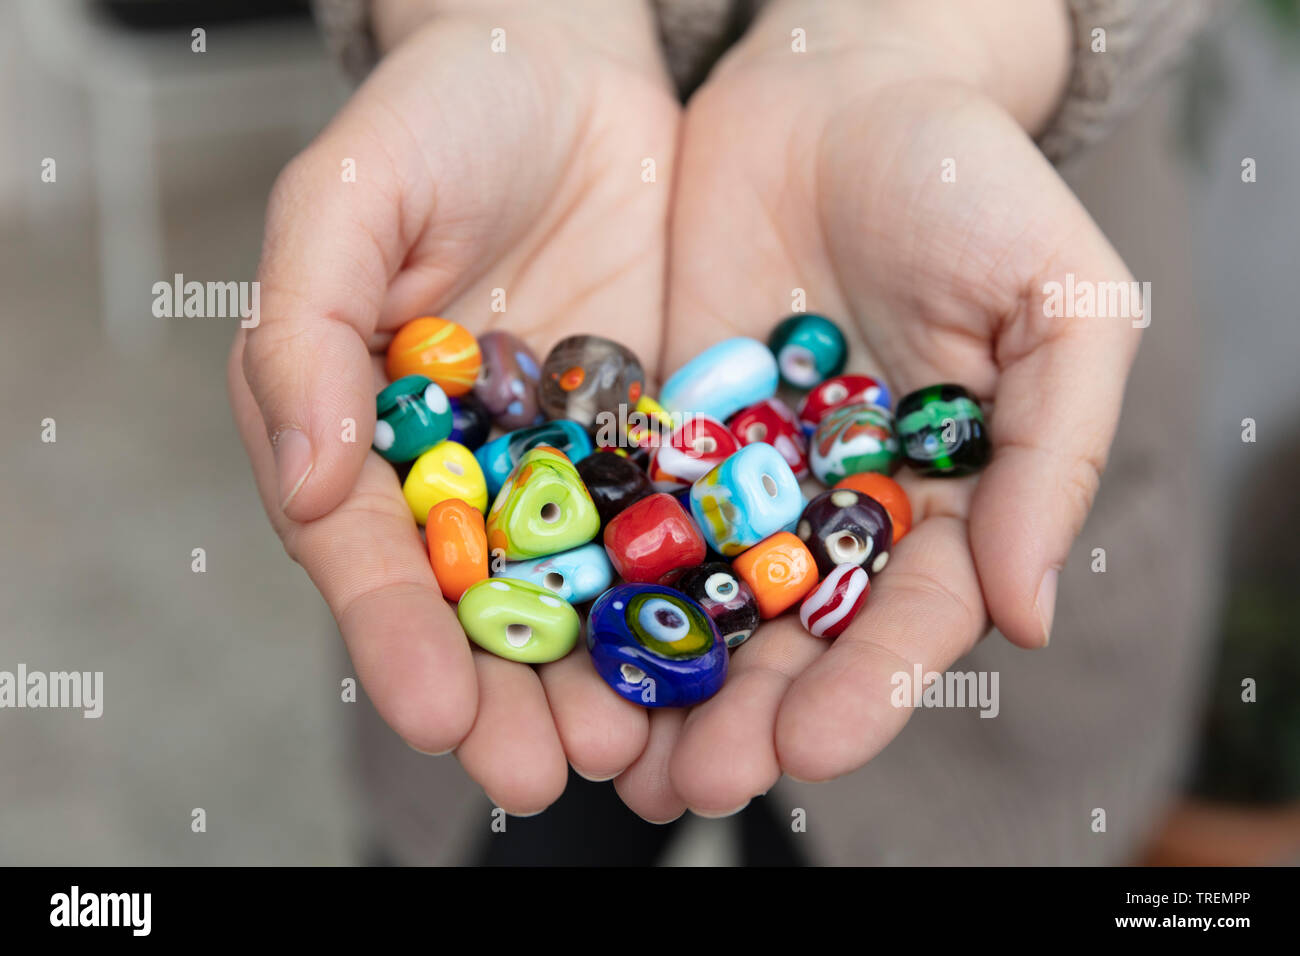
x,y
679,524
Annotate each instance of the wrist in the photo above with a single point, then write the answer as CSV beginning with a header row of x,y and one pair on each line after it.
x,y
1016,52
624,29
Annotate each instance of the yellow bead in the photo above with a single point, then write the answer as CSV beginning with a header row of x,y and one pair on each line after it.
x,y
447,470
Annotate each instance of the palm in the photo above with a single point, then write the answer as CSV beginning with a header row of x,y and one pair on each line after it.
x,y
487,185
810,177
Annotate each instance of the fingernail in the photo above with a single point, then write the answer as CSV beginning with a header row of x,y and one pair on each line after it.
x,y
712,815
293,462
1045,603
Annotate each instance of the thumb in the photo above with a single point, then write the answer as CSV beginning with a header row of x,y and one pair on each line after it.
x,y
1060,387
326,263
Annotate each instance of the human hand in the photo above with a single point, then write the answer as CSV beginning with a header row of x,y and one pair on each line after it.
x,y
822,171
475,170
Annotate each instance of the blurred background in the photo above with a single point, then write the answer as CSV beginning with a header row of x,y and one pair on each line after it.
x,y
222,688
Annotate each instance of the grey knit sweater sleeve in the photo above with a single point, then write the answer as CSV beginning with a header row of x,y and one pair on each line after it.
x,y
1121,47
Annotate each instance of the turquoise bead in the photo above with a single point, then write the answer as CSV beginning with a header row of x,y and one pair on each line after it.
x,y
577,575
411,416
751,495
499,456
809,349
721,380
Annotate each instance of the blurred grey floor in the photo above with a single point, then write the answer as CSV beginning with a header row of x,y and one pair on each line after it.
x,y
222,688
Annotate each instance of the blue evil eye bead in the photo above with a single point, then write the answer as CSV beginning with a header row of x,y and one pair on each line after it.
x,y
809,349
577,575
499,456
721,380
751,495
411,416
655,646
470,421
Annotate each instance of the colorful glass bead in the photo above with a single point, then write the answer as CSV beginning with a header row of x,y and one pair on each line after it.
x,y
809,349
650,425
543,508
613,482
458,547
780,571
655,646
724,596
586,375
438,349
943,432
691,452
851,439
447,470
722,379
518,620
576,575
652,537
470,421
749,496
412,415
842,526
886,491
772,421
500,456
507,382
831,607
837,392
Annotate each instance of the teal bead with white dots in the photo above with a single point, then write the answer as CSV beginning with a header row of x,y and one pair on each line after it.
x,y
411,416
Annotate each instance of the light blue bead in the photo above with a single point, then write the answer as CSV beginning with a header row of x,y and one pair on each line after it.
x,y
499,456
723,379
576,575
751,495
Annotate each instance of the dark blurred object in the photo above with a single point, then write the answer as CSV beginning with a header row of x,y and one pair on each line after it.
x,y
169,14
1243,798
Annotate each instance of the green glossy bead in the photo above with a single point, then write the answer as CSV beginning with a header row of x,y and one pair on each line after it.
x,y
809,349
412,415
942,431
518,620
543,508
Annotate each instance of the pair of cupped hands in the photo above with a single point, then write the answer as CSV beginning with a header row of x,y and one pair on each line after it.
x,y
820,170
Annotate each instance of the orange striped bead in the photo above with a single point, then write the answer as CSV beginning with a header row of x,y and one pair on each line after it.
x,y
438,349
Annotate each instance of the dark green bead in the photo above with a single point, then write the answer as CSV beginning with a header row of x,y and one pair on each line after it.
x,y
809,349
942,431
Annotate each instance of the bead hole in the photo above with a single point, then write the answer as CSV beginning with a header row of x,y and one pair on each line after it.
x,y
554,580
550,512
847,548
769,485
633,675
517,635
757,431
705,445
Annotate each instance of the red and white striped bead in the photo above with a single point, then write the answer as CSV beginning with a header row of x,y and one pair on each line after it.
x,y
834,603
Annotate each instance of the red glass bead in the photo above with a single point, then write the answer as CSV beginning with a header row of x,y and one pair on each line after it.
x,y
772,421
833,604
648,539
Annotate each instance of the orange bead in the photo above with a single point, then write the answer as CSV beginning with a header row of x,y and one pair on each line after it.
x,y
458,547
889,493
438,349
780,570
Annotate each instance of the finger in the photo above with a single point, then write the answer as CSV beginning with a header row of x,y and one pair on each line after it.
x,y
646,786
924,611
1057,404
367,560
726,754
513,750
602,733
331,248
